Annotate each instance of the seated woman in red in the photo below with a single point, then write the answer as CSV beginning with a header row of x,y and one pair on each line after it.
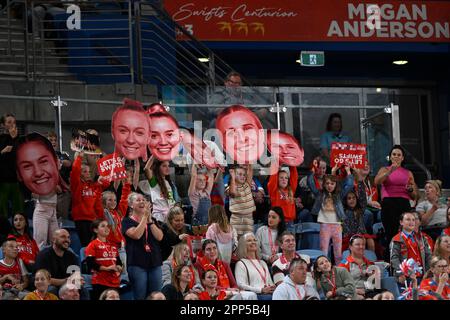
x,y
103,259
27,246
212,291
437,278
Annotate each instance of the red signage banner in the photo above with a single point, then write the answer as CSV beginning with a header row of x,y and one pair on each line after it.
x,y
313,20
112,166
352,154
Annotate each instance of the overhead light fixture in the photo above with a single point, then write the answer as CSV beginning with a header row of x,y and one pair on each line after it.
x,y
378,90
400,62
203,59
297,61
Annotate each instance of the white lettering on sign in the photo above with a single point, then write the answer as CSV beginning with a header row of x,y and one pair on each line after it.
x,y
74,20
386,21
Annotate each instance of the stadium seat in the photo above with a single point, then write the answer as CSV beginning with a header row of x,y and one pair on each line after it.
x,y
1,254
309,236
377,227
390,284
68,224
75,242
313,254
369,254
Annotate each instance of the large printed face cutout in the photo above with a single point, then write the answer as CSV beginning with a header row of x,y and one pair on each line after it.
x,y
285,148
239,128
200,152
36,163
165,136
130,130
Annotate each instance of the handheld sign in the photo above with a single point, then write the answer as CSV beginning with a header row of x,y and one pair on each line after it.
x,y
345,153
112,166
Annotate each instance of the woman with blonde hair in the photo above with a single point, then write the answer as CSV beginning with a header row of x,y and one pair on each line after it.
x,y
432,211
442,247
436,279
252,273
222,232
180,255
41,282
174,231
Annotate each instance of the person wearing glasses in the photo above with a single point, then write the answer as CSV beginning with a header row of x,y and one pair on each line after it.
x,y
437,278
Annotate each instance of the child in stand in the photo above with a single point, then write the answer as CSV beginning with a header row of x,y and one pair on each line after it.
x,y
328,206
407,245
281,189
103,259
221,231
242,205
200,195
41,282
212,292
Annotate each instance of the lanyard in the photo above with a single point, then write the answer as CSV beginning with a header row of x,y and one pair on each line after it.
x,y
369,191
39,295
410,243
273,248
147,247
299,295
263,277
332,281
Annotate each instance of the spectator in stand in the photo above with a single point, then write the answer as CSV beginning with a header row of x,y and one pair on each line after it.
x,y
211,284
432,211
280,267
179,287
156,295
420,234
9,186
333,134
407,245
328,206
358,266
436,279
305,193
267,235
180,256
242,205
334,281
191,296
26,245
142,236
373,206
252,273
13,274
41,282
69,291
114,213
355,205
103,260
397,189
385,295
59,261
37,168
162,190
175,231
222,232
281,188
294,286
442,247
447,227
110,294
199,194
209,259
63,189
85,193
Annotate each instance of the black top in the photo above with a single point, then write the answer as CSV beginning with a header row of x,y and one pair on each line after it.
x,y
171,293
8,159
56,265
136,253
169,240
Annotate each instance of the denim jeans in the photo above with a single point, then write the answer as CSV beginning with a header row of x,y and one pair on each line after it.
x,y
144,281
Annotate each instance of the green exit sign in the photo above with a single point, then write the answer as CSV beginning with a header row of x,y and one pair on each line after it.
x,y
312,58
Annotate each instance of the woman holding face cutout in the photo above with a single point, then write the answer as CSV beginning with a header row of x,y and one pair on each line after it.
x,y
38,169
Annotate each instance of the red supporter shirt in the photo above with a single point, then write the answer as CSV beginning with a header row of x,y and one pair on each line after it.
x,y
431,285
105,254
27,247
84,195
281,199
204,295
446,231
17,269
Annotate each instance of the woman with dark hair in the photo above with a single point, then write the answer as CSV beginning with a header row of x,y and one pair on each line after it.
x,y
26,245
37,167
174,231
333,134
397,189
267,235
165,136
162,190
181,277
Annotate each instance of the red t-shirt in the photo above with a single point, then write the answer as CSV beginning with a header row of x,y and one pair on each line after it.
x,y
281,198
27,247
204,295
431,285
105,254
17,269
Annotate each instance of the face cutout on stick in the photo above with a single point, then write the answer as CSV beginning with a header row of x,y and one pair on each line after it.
x,y
285,148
